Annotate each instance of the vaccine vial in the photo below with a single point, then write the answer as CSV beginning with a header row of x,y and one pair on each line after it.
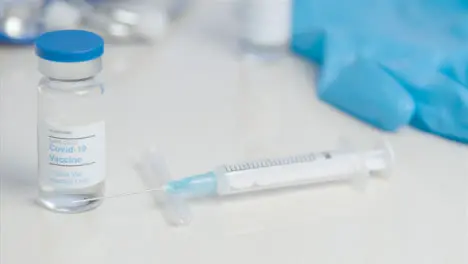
x,y
71,127
265,26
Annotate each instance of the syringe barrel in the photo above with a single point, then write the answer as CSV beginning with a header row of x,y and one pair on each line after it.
x,y
297,170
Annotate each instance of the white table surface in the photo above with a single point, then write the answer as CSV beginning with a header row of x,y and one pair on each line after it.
x,y
194,99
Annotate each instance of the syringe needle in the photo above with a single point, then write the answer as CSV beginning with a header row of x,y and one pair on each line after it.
x,y
118,195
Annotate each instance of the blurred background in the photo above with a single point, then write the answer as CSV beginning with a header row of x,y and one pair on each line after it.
x,y
119,21
209,82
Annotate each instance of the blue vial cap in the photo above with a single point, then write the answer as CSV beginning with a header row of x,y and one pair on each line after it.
x,y
69,46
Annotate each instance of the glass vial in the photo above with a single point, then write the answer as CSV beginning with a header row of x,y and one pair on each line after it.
x,y
265,26
71,127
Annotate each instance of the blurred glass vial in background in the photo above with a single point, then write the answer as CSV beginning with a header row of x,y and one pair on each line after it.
x,y
117,21
20,20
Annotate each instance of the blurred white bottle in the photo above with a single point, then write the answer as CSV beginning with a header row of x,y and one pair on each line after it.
x,y
265,26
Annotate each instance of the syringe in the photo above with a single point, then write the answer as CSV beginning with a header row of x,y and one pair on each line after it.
x,y
269,174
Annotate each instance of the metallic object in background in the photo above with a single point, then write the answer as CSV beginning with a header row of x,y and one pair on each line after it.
x,y
20,22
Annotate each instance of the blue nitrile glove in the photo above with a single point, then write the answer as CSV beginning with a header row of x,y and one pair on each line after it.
x,y
390,62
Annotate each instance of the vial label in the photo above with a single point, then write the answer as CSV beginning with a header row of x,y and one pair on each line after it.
x,y
72,157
